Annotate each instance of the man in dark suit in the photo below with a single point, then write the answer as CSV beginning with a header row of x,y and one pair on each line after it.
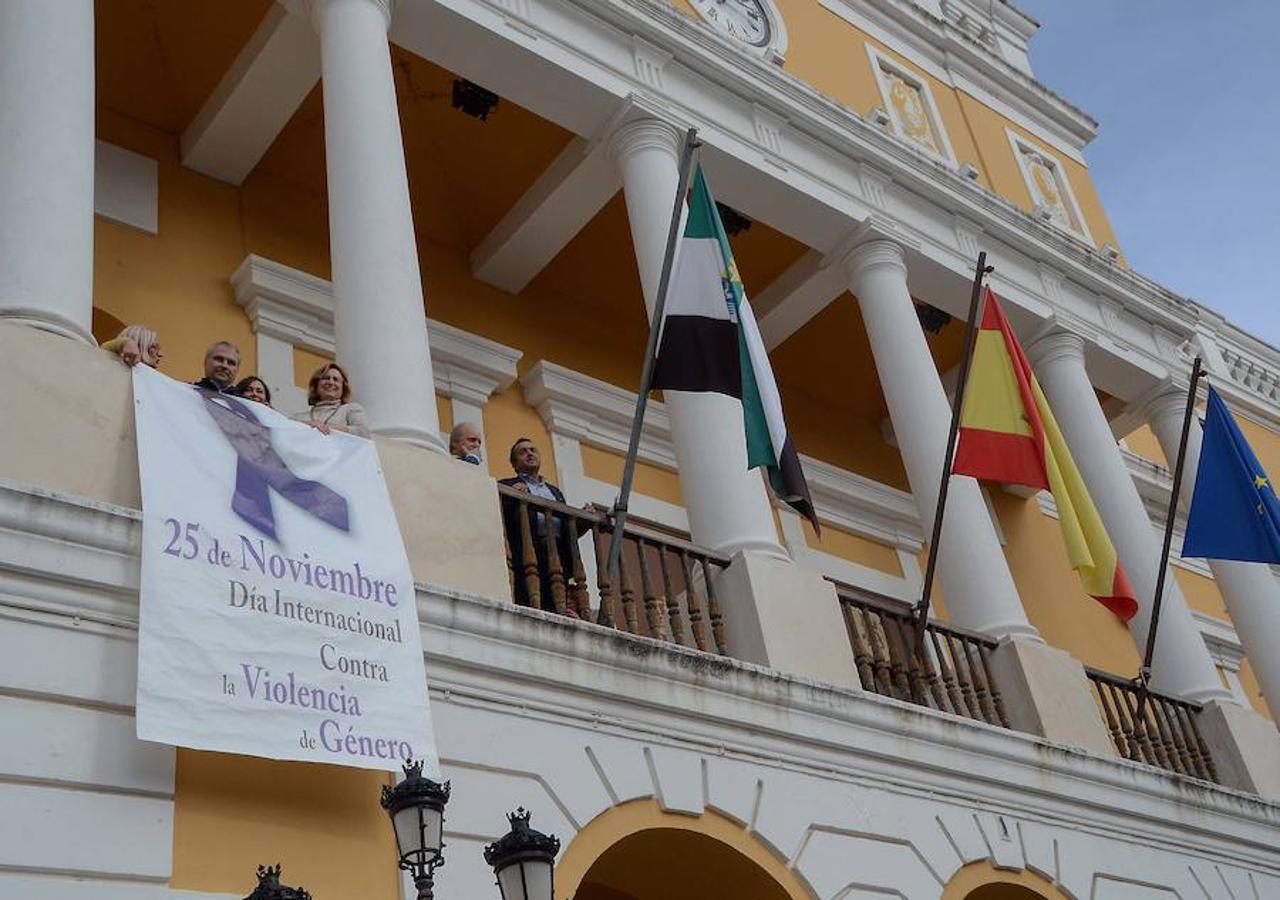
x,y
527,463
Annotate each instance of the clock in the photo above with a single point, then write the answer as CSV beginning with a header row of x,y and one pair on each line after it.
x,y
744,20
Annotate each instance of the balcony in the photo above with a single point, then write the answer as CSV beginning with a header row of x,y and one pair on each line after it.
x,y
590,695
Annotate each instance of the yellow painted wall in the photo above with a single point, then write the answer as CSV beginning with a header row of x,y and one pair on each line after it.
x,y
305,363
667,863
322,823
1265,444
507,418
1201,592
854,548
1250,682
830,54
1143,442
649,480
176,281
1055,602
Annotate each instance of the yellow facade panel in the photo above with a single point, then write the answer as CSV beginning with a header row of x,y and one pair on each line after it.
x,y
1052,593
651,481
232,813
176,281
854,548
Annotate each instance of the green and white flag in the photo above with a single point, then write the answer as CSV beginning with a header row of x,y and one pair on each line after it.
x,y
710,342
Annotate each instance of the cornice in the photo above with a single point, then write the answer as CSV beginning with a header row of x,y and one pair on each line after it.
x,y
953,49
596,412
489,652
297,308
781,114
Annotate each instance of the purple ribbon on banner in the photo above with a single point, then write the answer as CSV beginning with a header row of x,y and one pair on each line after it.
x,y
260,470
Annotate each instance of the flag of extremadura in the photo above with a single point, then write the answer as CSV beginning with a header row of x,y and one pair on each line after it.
x,y
710,342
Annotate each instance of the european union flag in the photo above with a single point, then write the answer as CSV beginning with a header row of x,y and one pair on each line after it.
x,y
1234,511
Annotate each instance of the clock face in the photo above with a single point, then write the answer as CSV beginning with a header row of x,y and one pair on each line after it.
x,y
745,20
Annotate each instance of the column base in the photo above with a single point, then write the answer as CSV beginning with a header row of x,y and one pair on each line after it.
x,y
1046,693
1245,747
778,615
50,322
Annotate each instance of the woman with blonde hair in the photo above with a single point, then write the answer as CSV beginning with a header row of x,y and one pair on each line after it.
x,y
329,396
136,344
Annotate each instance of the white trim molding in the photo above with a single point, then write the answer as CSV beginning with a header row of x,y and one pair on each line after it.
x,y
884,66
579,409
774,49
1025,153
1228,654
289,308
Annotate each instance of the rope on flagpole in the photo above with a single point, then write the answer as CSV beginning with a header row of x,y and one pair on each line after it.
x,y
618,514
980,271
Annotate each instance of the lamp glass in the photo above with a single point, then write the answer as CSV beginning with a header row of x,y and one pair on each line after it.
x,y
418,832
529,879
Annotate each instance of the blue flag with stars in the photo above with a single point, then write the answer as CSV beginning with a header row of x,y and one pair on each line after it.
x,y
1234,511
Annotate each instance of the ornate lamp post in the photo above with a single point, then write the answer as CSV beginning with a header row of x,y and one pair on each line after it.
x,y
522,860
416,808
270,888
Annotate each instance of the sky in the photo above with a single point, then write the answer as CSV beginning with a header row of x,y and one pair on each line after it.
x,y
1187,157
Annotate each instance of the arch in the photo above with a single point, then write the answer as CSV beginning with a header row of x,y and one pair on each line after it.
x,y
640,830
983,881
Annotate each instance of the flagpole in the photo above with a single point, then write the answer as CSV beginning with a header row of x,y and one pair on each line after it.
x,y
971,336
619,511
1144,674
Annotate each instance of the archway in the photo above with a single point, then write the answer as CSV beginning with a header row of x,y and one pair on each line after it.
x,y
983,881
636,851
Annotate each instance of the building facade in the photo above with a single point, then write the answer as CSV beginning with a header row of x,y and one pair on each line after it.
x,y
466,203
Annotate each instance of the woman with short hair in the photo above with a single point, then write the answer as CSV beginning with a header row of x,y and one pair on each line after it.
x,y
136,344
332,409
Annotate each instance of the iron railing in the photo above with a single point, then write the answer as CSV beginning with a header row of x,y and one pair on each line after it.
x,y
952,676
671,581
1165,735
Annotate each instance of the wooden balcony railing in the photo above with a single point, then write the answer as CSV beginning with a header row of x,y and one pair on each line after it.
x,y
954,676
1166,735
671,581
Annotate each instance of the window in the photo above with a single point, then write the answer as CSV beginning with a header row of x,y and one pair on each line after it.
x,y
913,115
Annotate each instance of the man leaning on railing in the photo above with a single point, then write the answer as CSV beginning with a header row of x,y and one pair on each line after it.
x,y
526,461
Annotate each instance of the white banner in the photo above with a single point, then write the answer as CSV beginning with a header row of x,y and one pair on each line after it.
x,y
278,613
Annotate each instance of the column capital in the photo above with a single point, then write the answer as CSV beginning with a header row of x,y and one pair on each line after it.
x,y
312,9
1165,398
877,252
1055,342
647,133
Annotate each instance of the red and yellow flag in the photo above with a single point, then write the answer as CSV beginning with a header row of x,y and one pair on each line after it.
x,y
1009,434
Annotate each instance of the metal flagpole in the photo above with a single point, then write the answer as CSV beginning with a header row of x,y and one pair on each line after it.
x,y
1144,674
619,511
980,271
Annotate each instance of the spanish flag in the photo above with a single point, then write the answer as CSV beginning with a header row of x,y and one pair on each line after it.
x,y
1008,434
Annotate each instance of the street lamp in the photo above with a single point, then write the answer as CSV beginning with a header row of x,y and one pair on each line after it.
x,y
522,859
270,888
416,808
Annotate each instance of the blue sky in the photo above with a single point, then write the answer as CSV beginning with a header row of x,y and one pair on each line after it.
x,y
1187,158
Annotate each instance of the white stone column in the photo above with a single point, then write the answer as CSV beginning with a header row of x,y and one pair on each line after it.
x,y
380,323
1251,592
1182,665
46,164
727,504
980,593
